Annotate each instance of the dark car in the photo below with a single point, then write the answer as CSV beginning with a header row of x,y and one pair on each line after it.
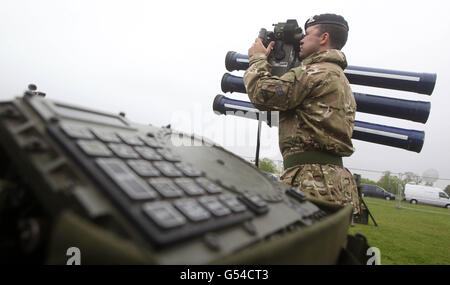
x,y
369,190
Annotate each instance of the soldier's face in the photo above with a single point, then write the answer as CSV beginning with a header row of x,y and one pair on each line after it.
x,y
310,42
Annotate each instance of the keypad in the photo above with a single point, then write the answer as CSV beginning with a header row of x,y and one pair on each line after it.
x,y
169,198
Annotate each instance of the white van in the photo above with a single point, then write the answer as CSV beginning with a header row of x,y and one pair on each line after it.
x,y
426,195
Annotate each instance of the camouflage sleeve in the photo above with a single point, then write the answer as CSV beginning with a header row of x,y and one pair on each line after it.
x,y
273,93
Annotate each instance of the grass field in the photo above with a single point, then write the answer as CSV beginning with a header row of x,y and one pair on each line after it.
x,y
413,234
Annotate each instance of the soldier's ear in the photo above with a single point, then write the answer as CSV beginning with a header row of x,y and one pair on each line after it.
x,y
324,38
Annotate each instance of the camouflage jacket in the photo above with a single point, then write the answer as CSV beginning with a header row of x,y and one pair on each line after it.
x,y
316,104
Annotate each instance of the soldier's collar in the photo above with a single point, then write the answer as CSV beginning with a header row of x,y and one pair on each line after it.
x,y
331,55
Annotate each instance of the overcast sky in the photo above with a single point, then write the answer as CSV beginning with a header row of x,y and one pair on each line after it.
x,y
162,62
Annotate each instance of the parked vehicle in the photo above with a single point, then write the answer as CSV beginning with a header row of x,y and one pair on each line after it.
x,y
426,195
375,191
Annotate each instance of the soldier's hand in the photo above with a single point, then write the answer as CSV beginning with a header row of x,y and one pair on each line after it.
x,y
258,48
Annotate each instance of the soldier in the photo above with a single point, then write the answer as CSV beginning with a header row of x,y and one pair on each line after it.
x,y
317,110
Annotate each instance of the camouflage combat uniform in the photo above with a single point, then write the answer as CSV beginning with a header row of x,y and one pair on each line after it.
x,y
317,112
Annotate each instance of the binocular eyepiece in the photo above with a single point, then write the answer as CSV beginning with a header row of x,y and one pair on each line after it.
x,y
288,32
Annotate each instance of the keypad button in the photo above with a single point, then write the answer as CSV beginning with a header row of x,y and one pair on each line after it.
x,y
94,148
164,214
214,206
143,167
232,203
308,209
188,170
255,199
151,141
168,155
123,150
106,136
297,194
192,210
130,183
189,186
254,202
148,153
167,168
209,186
76,132
165,187
131,139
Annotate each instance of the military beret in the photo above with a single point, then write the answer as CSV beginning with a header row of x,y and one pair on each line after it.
x,y
327,19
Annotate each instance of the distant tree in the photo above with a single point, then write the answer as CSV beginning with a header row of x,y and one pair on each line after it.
x,y
368,181
390,183
267,165
409,177
447,190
